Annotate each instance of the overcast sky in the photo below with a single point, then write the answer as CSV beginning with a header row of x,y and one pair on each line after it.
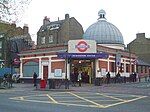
x,y
129,16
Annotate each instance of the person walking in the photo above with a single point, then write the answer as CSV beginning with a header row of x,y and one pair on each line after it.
x,y
10,81
118,77
108,78
35,79
79,78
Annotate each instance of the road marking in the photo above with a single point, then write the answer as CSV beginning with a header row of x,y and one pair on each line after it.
x,y
87,100
126,101
119,99
62,101
84,102
51,98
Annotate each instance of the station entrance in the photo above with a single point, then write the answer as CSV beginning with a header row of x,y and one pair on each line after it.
x,y
86,67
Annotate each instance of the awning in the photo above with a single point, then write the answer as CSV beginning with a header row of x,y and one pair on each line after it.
x,y
101,55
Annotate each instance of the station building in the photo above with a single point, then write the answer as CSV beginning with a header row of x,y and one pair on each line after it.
x,y
100,50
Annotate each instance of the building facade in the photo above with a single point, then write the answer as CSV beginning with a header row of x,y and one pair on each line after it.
x,y
12,40
52,63
58,32
100,50
141,47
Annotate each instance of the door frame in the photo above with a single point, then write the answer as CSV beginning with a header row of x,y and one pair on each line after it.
x,y
45,63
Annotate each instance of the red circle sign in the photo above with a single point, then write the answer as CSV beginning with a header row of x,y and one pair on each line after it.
x,y
16,61
82,46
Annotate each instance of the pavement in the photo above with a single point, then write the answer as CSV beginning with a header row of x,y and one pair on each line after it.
x,y
139,88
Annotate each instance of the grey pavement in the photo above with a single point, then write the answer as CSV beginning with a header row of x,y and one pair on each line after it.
x,y
138,88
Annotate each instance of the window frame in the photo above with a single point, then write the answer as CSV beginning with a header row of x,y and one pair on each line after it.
x,y
43,40
50,39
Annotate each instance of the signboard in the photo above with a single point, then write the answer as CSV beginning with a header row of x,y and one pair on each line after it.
x,y
16,61
101,55
58,73
81,46
118,59
103,71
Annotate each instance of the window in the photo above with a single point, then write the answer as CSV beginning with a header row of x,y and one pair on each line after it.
x,y
132,68
145,69
141,69
122,67
127,67
112,65
43,40
51,39
0,44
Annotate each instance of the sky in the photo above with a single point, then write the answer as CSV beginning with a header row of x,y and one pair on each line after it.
x,y
129,16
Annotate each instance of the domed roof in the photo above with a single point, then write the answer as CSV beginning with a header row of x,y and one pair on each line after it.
x,y
103,32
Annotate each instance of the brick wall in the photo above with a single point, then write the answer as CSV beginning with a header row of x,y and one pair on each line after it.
x,y
103,64
58,65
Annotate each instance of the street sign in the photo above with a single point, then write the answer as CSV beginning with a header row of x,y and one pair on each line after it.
x,y
16,61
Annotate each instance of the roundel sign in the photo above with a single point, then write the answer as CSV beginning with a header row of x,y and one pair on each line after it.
x,y
82,46
16,61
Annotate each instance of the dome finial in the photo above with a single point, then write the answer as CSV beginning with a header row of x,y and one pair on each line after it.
x,y
101,15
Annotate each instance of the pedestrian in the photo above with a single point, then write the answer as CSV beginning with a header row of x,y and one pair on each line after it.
x,y
35,79
138,77
118,78
132,77
145,77
135,75
10,81
72,78
108,78
79,78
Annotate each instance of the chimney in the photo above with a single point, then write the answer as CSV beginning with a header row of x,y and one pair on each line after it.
x,y
13,24
25,29
66,16
46,20
140,35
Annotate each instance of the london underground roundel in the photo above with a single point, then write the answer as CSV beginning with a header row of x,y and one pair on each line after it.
x,y
82,46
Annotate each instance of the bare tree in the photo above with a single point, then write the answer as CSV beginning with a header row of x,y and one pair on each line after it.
x,y
12,10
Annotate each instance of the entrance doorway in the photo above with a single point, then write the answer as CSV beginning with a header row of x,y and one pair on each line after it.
x,y
87,67
45,72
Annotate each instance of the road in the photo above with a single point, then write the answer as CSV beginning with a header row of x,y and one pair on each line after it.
x,y
130,97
